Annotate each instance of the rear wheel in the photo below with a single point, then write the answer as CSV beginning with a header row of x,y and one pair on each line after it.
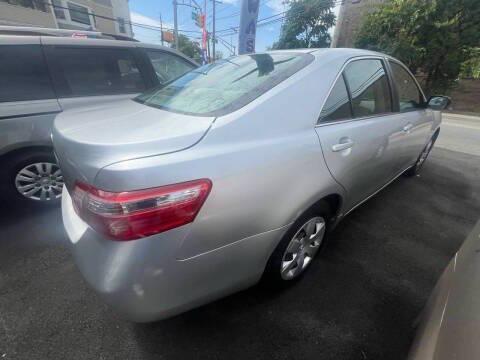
x,y
33,178
298,247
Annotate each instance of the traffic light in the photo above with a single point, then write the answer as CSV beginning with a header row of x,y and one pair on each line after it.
x,y
199,19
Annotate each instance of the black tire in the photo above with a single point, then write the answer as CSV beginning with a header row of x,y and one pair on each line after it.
x,y
415,169
272,274
13,165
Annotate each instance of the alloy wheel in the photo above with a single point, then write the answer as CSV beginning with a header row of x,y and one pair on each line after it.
x,y
41,181
302,248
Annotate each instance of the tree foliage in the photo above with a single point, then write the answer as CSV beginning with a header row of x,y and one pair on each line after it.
x,y
189,47
471,67
434,37
306,24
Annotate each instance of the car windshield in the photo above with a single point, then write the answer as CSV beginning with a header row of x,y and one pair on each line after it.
x,y
226,85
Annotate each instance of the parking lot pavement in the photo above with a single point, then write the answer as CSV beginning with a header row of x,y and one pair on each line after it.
x,y
358,301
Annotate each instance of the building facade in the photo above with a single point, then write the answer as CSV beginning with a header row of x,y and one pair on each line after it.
x,y
350,18
107,16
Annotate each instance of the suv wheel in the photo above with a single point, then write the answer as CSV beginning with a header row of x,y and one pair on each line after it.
x,y
300,244
34,178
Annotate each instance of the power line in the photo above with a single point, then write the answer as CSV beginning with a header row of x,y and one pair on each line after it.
x,y
229,16
276,17
140,25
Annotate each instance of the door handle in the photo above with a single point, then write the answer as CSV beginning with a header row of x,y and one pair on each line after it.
x,y
407,127
347,144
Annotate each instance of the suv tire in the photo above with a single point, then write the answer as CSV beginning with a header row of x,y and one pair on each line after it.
x,y
32,178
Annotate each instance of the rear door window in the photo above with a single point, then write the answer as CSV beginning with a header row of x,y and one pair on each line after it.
x,y
89,71
168,66
337,107
24,74
409,95
369,88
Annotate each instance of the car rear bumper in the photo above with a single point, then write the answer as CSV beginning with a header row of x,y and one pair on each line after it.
x,y
143,279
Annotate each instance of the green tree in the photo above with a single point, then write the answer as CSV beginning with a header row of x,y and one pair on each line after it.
x,y
471,67
434,37
306,24
189,47
218,55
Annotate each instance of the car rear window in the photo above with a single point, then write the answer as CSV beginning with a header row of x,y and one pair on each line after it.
x,y
226,85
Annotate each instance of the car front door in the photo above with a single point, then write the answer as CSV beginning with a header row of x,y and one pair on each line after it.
x,y
359,134
417,120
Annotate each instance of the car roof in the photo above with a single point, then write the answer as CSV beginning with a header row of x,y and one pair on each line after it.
x,y
325,54
331,52
44,31
63,40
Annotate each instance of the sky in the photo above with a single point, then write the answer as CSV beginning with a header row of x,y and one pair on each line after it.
x,y
227,13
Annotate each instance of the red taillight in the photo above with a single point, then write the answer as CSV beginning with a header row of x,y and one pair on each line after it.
x,y
135,214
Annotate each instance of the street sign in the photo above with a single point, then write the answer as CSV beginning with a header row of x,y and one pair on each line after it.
x,y
248,26
168,36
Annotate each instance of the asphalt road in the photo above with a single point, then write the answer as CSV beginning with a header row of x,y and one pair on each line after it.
x,y
358,301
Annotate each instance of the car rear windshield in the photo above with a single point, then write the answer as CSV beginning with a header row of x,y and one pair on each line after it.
x,y
226,85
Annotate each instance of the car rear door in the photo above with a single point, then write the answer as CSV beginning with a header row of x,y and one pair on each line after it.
x,y
28,102
417,120
90,73
359,134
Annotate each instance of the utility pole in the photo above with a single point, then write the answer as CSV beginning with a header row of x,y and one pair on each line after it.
x,y
209,54
161,28
175,23
205,33
214,39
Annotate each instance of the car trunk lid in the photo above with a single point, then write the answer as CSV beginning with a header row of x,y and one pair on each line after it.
x,y
88,139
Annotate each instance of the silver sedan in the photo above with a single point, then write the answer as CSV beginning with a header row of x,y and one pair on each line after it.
x,y
234,172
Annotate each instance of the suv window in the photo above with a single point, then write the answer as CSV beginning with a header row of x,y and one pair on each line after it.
x,y
337,106
369,89
409,95
87,71
167,66
24,74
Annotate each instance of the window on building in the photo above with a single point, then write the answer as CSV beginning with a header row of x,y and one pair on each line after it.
x,y
79,14
32,4
337,106
23,74
86,71
369,87
121,25
168,66
409,95
58,9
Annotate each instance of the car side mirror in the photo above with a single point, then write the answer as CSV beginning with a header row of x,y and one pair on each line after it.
x,y
439,102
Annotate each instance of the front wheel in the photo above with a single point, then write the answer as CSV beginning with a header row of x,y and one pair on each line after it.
x,y
298,247
33,178
415,169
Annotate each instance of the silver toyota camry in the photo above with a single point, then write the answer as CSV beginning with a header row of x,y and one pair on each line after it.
x,y
234,172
